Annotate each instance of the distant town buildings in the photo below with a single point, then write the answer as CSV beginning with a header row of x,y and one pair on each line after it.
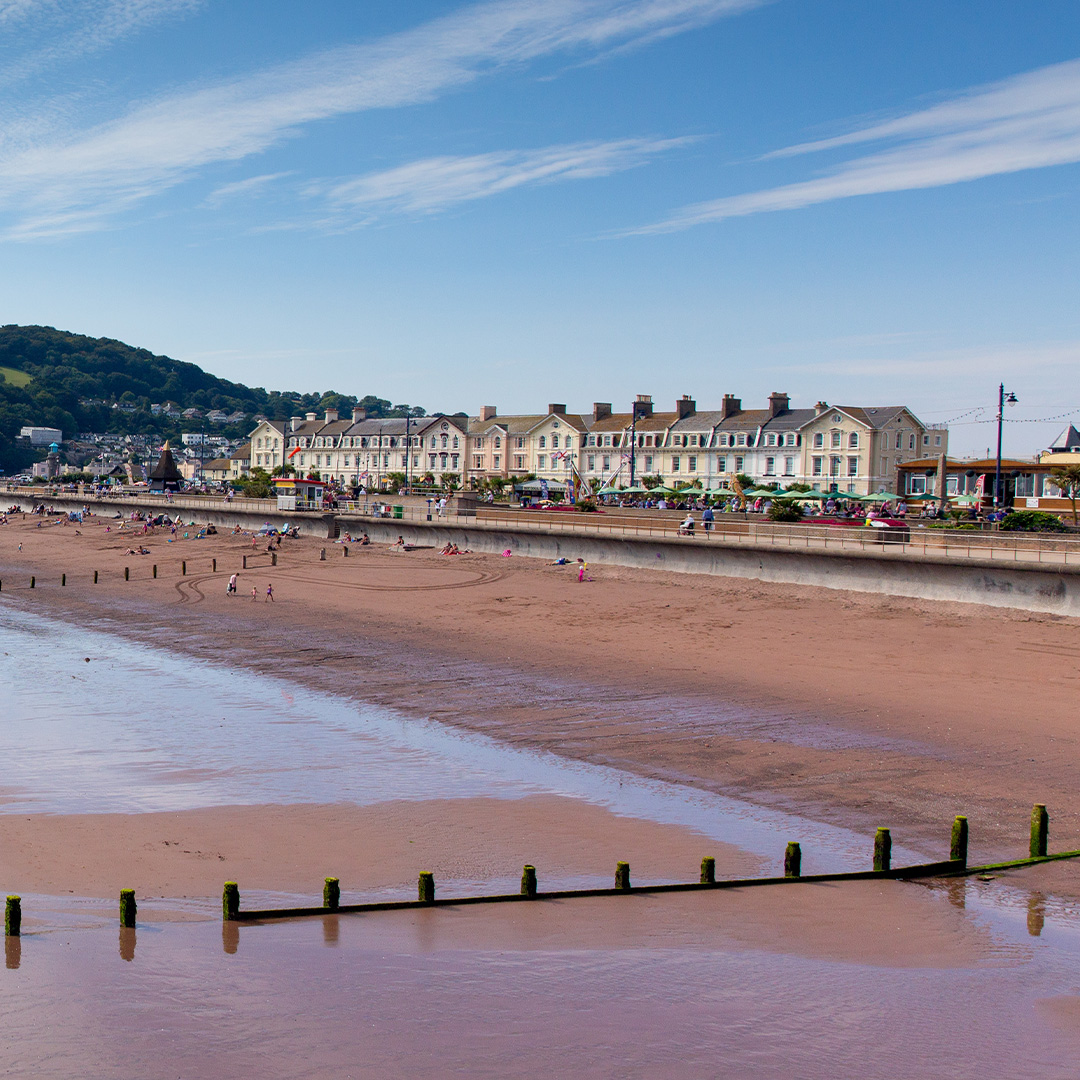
x,y
844,448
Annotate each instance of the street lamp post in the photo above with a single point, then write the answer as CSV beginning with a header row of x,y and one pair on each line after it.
x,y
408,452
633,442
1003,400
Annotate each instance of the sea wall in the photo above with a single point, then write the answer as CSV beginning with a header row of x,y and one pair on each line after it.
x,y
972,581
926,577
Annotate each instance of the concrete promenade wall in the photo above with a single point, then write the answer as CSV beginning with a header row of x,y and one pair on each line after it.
x,y
927,577
973,581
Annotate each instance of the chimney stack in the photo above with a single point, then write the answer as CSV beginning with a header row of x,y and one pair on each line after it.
x,y
601,410
820,407
358,414
556,410
643,405
685,406
312,416
331,415
778,403
295,422
487,412
729,406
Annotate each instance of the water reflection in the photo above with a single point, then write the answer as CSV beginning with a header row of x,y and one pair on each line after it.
x,y
1036,913
331,929
127,943
230,936
13,951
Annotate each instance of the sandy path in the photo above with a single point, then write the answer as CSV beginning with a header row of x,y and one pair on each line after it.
x,y
856,709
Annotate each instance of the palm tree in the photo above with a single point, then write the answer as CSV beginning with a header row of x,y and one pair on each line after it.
x,y
1067,480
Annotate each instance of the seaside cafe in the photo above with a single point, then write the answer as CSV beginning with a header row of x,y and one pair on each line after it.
x,y
295,494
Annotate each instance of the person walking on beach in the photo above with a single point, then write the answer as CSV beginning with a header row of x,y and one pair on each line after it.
x,y
269,592
254,592
582,565
231,590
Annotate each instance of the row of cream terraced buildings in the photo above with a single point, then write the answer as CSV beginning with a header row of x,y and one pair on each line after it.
x,y
830,447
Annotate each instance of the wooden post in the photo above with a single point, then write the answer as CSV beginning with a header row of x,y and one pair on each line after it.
x,y
127,573
793,860
622,876
13,916
528,881
426,887
95,577
322,555
63,579
213,566
183,568
345,551
273,558
331,893
244,567
230,900
155,569
882,850
128,907
1040,830
32,581
708,870
959,848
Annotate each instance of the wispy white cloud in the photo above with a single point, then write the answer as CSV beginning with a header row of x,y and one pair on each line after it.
x,y
42,33
1030,121
433,184
240,188
84,177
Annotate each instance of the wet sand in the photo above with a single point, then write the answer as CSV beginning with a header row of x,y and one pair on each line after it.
x,y
849,708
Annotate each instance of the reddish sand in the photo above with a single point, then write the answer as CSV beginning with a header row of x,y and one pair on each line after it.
x,y
856,709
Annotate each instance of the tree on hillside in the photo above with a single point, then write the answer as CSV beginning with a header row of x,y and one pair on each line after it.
x,y
1067,480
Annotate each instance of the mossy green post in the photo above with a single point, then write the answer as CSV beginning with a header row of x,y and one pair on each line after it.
x,y
331,893
793,860
959,846
1040,830
128,907
425,889
882,850
708,870
13,916
622,876
230,901
528,881
33,581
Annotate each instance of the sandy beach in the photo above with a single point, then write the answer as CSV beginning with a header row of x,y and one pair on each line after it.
x,y
845,707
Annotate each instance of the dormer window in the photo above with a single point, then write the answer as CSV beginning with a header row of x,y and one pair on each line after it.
x,y
740,439
770,439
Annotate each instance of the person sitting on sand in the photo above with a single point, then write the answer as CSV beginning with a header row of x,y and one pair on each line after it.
x,y
449,549
399,543
364,541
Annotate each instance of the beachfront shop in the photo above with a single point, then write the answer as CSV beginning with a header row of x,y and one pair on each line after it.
x,y
293,494
1025,485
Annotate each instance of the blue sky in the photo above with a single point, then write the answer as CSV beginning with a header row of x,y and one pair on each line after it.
x,y
520,202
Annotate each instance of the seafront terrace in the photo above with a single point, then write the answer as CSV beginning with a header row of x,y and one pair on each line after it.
x,y
915,541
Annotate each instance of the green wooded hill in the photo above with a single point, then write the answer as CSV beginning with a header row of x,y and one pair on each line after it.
x,y
53,378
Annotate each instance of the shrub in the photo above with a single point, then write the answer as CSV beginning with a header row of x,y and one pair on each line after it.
x,y
783,510
587,506
1032,521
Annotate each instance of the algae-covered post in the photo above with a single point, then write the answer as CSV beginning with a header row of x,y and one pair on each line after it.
x,y
708,870
793,860
425,889
959,849
1040,830
128,907
882,850
13,916
230,900
622,876
331,893
528,881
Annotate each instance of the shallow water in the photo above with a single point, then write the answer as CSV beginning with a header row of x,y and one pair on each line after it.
x,y
138,728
